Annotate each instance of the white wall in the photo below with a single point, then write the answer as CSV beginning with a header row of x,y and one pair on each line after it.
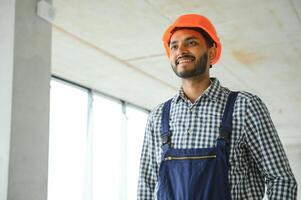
x,y
295,162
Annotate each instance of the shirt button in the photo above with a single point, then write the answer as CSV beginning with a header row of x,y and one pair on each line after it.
x,y
189,131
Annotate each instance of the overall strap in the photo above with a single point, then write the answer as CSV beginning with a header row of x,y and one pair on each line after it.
x,y
165,132
226,124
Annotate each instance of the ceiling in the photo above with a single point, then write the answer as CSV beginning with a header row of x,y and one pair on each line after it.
x,y
115,47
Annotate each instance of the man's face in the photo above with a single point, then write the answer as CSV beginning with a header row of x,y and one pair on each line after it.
x,y
188,53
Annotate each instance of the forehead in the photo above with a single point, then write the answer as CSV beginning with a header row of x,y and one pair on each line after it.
x,y
184,34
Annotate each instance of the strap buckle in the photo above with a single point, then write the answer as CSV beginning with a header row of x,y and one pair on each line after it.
x,y
166,139
223,134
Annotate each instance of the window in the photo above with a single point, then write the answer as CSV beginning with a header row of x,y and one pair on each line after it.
x,y
136,120
67,142
107,149
95,145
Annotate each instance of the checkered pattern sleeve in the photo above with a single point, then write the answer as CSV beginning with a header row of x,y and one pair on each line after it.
x,y
267,152
148,166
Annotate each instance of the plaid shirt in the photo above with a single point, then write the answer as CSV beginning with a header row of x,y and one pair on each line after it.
x,y
257,157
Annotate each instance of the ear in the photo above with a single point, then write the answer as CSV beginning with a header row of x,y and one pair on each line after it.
x,y
211,54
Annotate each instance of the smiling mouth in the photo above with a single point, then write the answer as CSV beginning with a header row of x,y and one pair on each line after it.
x,y
185,60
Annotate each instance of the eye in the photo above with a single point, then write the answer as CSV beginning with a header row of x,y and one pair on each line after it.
x,y
192,43
173,47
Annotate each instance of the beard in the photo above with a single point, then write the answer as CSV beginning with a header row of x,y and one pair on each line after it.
x,y
199,68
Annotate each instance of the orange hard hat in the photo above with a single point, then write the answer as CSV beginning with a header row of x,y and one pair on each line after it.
x,y
193,21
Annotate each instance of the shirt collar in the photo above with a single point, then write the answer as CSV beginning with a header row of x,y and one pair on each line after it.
x,y
211,92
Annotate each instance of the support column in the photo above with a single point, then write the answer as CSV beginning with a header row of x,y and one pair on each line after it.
x,y
25,82
7,27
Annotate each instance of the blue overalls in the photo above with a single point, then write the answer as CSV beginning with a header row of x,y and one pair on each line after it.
x,y
195,174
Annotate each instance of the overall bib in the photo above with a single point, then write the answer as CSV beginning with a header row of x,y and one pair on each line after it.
x,y
196,174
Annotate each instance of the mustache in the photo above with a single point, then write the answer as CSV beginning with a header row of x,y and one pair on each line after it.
x,y
184,56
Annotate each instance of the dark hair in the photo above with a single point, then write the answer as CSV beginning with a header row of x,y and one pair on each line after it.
x,y
206,36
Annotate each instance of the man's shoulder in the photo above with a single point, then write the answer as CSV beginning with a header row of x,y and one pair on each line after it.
x,y
248,98
156,112
243,95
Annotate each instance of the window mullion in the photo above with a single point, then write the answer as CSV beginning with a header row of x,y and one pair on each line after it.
x,y
89,150
123,180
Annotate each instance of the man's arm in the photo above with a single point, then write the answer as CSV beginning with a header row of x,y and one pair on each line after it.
x,y
148,165
268,153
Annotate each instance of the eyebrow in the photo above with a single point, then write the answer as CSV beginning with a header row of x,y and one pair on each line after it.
x,y
186,39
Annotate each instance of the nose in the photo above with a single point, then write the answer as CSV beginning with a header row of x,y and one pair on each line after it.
x,y
182,49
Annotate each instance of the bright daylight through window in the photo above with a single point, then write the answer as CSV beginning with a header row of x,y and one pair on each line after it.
x,y
95,145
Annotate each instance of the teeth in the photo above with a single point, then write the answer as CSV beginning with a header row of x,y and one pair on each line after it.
x,y
184,61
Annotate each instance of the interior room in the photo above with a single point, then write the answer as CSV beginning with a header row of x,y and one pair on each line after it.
x,y
79,80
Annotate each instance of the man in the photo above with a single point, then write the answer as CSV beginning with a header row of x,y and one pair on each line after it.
x,y
208,142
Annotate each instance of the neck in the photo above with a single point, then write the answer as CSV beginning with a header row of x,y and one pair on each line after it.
x,y
194,87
